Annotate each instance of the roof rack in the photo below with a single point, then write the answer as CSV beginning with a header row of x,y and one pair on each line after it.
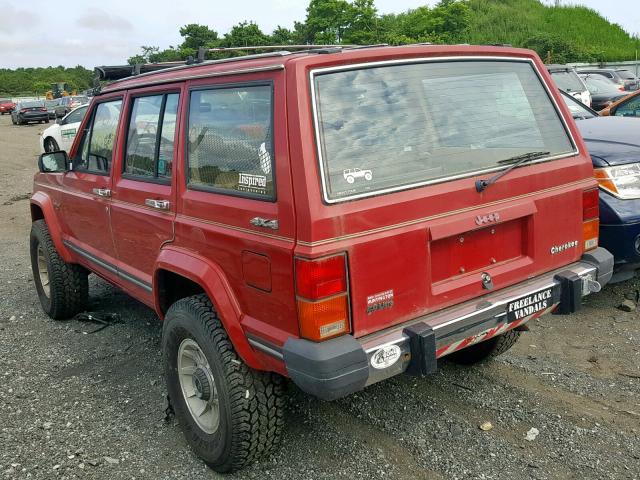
x,y
116,73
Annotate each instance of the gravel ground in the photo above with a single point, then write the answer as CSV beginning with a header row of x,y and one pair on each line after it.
x,y
76,404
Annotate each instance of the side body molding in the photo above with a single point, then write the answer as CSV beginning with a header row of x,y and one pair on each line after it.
x,y
44,202
213,281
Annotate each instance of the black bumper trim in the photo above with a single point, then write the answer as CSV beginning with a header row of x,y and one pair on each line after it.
x,y
329,370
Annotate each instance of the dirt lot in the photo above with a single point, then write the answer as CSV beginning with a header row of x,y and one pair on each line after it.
x,y
90,405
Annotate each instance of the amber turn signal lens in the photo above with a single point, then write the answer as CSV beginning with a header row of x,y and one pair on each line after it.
x,y
590,234
323,319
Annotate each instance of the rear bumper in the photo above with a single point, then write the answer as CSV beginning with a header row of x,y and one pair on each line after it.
x,y
341,366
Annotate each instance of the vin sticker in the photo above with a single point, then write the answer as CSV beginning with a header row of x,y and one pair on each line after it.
x,y
247,182
379,301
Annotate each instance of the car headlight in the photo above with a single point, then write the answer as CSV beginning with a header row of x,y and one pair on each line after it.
x,y
622,181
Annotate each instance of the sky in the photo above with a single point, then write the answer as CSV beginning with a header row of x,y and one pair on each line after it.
x,y
37,33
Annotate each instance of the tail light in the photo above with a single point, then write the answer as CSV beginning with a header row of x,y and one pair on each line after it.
x,y
590,218
22,110
322,297
43,109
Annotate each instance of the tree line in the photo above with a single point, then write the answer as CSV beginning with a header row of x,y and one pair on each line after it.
x,y
37,81
559,34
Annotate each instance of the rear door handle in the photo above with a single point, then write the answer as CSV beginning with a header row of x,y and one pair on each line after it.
x,y
157,204
102,192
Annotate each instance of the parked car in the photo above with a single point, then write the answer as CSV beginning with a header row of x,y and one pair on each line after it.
x,y
603,92
60,136
29,111
623,78
6,106
568,81
615,152
69,103
232,217
51,107
628,106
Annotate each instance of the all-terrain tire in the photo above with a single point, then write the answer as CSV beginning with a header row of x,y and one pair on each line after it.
x,y
68,283
486,350
250,403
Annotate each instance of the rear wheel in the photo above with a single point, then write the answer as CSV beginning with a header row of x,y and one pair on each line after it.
x,y
486,350
50,145
230,414
63,288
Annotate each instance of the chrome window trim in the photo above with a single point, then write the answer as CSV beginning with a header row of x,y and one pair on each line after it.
x,y
357,66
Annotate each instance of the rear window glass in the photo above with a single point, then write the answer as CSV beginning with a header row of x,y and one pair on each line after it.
x,y
399,126
568,81
32,104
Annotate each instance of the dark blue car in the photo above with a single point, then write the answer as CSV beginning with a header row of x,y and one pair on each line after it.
x,y
614,145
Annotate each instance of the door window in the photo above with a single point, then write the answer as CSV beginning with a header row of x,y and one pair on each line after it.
x,y
151,136
230,146
96,151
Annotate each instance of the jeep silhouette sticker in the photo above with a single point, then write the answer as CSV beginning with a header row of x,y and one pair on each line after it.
x,y
353,174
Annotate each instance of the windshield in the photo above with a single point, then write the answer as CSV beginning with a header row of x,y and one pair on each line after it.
x,y
626,75
393,127
568,81
600,85
577,109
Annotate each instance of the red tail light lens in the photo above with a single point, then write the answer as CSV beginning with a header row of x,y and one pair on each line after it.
x,y
43,109
322,297
321,278
590,206
590,219
22,110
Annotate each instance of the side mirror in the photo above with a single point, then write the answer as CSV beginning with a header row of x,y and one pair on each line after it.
x,y
53,162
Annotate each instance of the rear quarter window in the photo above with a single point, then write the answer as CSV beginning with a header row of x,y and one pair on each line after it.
x,y
391,127
230,146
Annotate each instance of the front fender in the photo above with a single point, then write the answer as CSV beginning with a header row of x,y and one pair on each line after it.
x,y
44,202
214,282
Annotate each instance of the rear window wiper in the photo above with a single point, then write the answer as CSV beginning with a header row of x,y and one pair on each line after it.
x,y
518,160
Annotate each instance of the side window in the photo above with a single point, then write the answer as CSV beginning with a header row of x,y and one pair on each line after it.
x,y
75,116
151,136
629,109
96,151
230,146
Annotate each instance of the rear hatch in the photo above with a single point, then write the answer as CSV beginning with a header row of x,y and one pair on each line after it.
x,y
417,233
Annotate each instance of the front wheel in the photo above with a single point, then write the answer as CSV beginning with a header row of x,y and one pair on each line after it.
x,y
230,414
63,288
486,350
50,145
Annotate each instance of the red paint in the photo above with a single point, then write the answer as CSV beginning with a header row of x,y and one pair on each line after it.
x,y
402,241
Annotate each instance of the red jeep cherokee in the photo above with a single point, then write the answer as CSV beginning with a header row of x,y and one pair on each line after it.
x,y
336,217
